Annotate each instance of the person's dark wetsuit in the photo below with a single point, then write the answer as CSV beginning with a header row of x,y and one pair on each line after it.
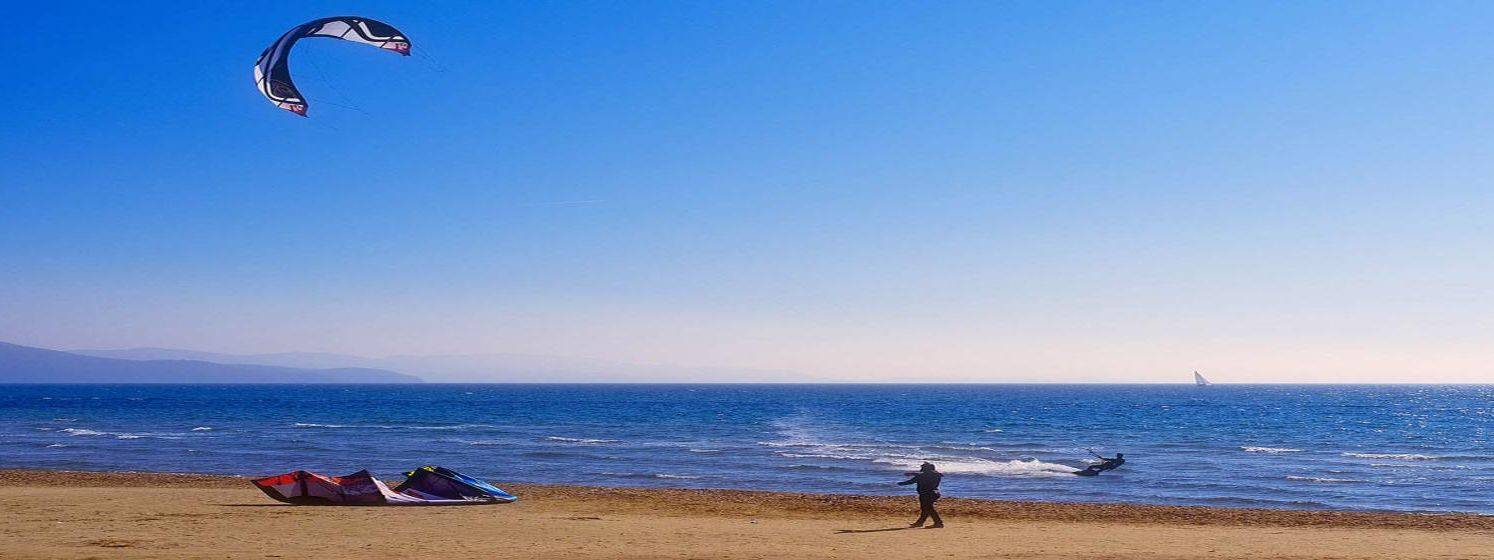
x,y
1105,464
927,480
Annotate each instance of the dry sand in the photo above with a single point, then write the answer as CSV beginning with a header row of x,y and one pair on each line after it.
x,y
141,515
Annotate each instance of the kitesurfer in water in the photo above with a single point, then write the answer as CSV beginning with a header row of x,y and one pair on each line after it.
x,y
1105,464
927,480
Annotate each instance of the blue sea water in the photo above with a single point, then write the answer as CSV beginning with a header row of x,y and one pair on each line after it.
x,y
1403,448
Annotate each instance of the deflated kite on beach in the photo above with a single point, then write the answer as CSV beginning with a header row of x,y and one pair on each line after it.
x,y
443,483
425,486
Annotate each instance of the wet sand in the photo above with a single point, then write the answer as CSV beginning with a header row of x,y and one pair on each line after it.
x,y
145,515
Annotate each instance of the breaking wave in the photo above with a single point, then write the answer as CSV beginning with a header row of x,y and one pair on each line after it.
x,y
801,439
1401,456
820,468
1320,479
118,435
450,427
392,427
580,441
311,425
1254,449
988,467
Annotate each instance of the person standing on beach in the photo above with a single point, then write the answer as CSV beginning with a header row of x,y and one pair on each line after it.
x,y
927,480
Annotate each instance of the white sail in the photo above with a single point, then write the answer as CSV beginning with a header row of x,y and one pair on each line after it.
x,y
1199,379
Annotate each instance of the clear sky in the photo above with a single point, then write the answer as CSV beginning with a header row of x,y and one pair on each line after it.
x,y
862,191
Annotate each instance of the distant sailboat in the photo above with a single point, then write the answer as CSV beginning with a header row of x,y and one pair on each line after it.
x,y
1199,379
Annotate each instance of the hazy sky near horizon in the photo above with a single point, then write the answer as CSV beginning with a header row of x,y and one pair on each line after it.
x,y
861,191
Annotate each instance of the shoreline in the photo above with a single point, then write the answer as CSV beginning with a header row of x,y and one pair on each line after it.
x,y
813,505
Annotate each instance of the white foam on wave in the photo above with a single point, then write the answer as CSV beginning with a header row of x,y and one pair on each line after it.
x,y
1255,449
813,444
1322,479
833,456
389,427
650,475
202,429
703,450
582,441
117,435
803,439
960,446
449,427
988,467
1401,456
58,445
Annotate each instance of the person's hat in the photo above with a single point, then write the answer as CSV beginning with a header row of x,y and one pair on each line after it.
x,y
926,467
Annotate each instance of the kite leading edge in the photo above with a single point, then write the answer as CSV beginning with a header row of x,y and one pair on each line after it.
x,y
272,70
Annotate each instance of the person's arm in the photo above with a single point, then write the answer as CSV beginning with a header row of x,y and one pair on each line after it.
x,y
909,481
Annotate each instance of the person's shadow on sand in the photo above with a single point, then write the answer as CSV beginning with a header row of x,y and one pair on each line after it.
x,y
845,531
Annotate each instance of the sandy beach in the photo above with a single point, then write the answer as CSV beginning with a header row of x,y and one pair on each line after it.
x,y
144,515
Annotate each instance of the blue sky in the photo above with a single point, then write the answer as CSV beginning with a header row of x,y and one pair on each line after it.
x,y
860,191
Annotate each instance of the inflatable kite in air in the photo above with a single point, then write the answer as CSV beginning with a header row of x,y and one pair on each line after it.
x,y
425,486
272,70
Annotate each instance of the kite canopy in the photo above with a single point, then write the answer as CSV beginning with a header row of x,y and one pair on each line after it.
x,y
272,70
444,483
438,486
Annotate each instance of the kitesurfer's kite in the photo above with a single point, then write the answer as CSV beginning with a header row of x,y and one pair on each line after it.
x,y
272,70
425,486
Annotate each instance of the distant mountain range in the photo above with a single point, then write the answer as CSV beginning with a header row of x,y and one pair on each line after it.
x,y
473,368
25,364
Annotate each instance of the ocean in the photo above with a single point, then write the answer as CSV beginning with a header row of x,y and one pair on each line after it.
x,y
1385,447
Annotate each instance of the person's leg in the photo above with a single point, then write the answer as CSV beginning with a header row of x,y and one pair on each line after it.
x,y
933,512
923,510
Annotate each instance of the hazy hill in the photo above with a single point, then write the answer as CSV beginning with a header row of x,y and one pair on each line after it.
x,y
473,367
24,364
